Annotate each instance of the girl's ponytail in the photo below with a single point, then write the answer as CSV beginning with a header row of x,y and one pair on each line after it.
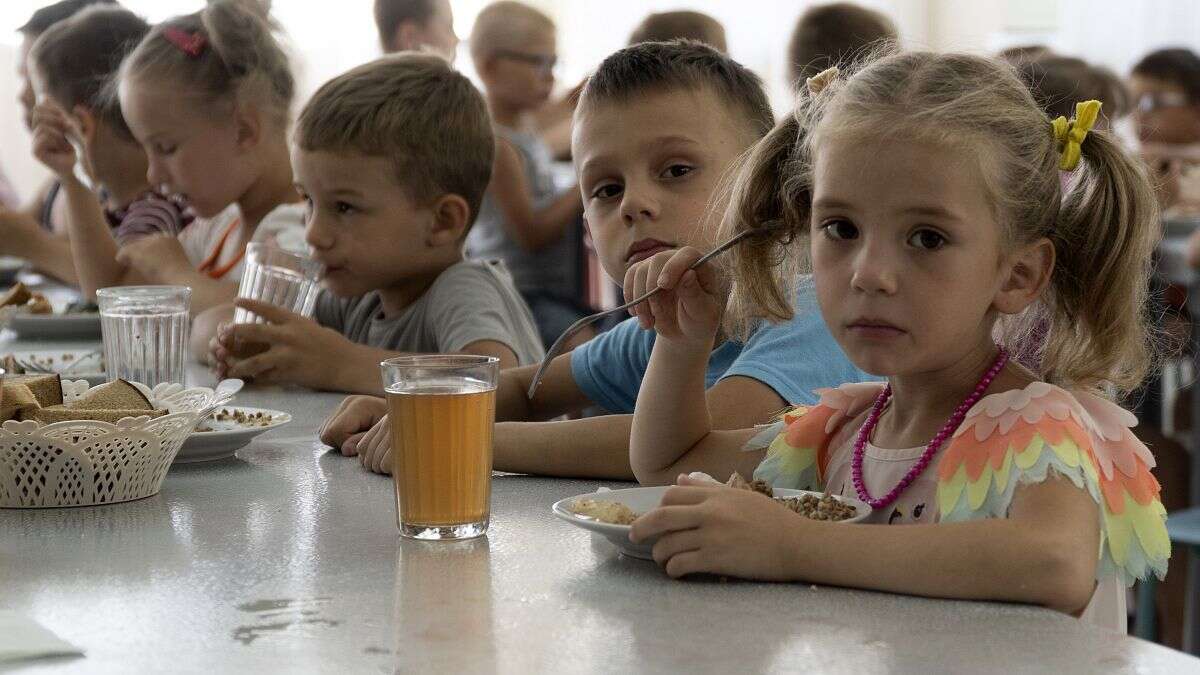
x,y
1104,239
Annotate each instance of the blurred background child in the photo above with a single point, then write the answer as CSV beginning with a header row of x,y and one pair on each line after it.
x,y
526,221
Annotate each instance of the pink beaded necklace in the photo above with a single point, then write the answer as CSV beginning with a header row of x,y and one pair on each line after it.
x,y
864,434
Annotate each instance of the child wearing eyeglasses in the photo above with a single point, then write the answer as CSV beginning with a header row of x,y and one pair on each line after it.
x,y
524,220
1166,94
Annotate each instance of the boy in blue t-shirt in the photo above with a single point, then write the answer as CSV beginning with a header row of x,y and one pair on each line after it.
x,y
657,129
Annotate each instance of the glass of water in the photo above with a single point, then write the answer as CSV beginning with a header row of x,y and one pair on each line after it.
x,y
279,277
145,332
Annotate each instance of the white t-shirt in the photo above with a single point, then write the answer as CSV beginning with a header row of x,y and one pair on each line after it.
x,y
212,243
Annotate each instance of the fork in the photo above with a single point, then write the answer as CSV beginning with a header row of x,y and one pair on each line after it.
x,y
570,332
31,366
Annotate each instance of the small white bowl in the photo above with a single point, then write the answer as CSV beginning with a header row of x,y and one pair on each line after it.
x,y
643,499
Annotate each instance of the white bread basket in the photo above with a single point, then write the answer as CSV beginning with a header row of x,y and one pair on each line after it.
x,y
87,462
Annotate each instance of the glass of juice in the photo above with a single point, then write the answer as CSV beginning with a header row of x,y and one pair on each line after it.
x,y
442,410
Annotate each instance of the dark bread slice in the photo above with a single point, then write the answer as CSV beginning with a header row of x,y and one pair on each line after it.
x,y
61,413
46,387
16,296
16,402
115,395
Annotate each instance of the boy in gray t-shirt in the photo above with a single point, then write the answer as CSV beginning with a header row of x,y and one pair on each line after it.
x,y
469,302
393,158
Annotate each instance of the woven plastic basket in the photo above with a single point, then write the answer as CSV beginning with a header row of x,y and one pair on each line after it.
x,y
85,462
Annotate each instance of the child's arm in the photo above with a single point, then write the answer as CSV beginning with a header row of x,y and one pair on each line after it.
x,y
205,327
305,353
92,245
1044,553
671,424
598,447
23,237
557,395
532,229
160,259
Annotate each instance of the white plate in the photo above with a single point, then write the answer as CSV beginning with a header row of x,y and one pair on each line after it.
x,y
92,371
10,267
227,438
643,499
84,326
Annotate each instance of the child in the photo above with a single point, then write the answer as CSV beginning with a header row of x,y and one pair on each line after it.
x,y
392,159
651,170
1056,82
37,231
525,221
70,66
416,25
931,185
1166,96
207,96
680,25
837,33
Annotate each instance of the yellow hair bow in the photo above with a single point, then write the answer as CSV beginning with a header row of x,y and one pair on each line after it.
x,y
1070,134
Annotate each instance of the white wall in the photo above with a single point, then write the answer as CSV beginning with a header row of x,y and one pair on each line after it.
x,y
329,37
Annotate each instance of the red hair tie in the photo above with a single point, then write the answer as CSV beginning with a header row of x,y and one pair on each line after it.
x,y
191,44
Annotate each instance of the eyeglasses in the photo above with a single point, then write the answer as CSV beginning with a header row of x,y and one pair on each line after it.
x,y
1149,102
543,62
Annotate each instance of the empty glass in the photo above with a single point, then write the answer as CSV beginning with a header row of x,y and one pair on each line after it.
x,y
145,332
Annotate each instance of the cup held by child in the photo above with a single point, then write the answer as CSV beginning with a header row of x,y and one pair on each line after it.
x,y
279,277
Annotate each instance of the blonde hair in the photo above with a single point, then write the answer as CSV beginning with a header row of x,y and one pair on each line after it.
x,y
414,109
1104,228
239,59
505,26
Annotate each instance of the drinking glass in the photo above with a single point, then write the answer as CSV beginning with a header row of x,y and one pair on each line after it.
x,y
278,277
442,411
145,330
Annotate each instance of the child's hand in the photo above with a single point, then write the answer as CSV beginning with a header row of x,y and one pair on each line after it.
x,y
720,530
689,307
375,448
156,258
50,145
217,354
299,350
354,417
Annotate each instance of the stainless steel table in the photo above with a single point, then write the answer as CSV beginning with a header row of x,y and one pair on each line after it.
x,y
286,559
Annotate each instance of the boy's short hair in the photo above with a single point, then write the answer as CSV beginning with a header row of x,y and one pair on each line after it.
x,y
658,67
77,58
829,35
1178,65
389,14
414,109
680,25
44,18
505,26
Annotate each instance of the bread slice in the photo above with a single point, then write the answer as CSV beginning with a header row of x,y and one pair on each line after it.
x,y
16,296
46,388
16,401
38,304
61,413
115,395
